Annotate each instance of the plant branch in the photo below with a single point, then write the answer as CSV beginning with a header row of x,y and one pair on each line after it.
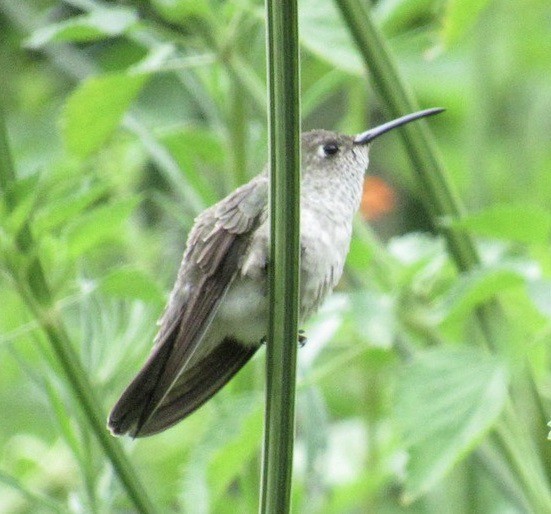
x,y
284,126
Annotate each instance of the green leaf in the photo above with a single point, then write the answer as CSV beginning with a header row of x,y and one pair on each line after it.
x,y
96,107
360,255
475,287
347,496
178,11
154,60
97,25
221,455
460,16
231,458
524,223
374,315
446,402
395,16
59,212
323,32
415,248
99,225
25,193
193,148
133,284
54,257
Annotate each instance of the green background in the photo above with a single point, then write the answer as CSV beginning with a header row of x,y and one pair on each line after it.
x,y
126,119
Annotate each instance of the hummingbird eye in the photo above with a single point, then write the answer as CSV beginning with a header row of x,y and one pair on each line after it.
x,y
330,149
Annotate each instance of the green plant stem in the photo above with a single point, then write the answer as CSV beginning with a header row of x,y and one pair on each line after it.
x,y
36,294
281,348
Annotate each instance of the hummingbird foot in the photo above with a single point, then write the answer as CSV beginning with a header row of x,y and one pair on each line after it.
x,y
301,339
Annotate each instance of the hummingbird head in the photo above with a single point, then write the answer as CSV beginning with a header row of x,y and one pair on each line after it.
x,y
331,153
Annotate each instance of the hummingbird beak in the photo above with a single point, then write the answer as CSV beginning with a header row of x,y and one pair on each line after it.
x,y
371,134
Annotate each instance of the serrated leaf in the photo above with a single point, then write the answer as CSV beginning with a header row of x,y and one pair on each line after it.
x,y
524,223
133,284
322,31
474,288
95,109
98,225
94,26
446,402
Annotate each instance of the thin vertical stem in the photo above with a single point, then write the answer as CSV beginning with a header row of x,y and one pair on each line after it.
x,y
284,125
36,294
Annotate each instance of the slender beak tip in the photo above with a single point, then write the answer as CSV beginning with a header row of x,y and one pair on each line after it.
x,y
370,135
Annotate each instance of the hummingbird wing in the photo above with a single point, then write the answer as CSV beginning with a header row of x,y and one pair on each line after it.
x,y
215,248
198,384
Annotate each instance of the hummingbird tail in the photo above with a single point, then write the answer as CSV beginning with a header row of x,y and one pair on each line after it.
x,y
193,388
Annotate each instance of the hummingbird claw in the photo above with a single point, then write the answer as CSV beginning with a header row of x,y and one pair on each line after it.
x,y
301,339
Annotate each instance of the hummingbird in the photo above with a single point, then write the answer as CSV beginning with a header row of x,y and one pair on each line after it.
x,y
217,314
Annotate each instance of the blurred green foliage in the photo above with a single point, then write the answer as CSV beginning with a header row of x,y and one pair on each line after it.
x,y
128,118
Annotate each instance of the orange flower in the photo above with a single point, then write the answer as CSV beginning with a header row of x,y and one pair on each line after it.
x,y
378,198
